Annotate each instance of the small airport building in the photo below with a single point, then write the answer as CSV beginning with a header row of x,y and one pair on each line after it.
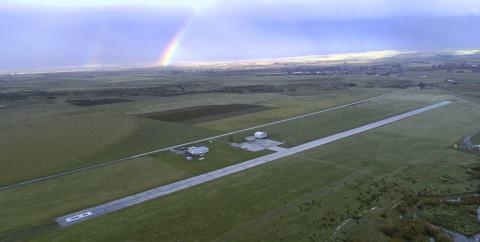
x,y
198,151
255,136
260,135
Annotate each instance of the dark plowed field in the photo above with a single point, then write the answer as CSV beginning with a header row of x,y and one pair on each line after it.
x,y
94,102
198,114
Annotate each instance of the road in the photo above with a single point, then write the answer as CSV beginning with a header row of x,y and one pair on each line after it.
x,y
49,177
83,215
458,237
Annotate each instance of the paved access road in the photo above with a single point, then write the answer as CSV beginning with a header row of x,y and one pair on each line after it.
x,y
40,179
80,216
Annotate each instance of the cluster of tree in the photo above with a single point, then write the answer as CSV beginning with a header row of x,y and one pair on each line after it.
x,y
452,66
380,69
417,231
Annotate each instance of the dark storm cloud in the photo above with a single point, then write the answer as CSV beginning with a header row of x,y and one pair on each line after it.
x,y
51,33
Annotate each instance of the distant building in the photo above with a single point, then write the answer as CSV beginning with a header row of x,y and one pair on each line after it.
x,y
260,135
198,151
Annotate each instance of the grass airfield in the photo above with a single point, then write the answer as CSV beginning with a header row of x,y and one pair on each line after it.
x,y
308,195
299,198
62,143
42,141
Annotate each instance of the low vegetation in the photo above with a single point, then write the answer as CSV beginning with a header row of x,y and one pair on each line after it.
x,y
44,146
476,139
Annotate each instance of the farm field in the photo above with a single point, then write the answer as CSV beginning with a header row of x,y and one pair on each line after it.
x,y
197,114
307,195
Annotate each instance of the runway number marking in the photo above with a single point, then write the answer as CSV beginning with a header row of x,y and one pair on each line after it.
x,y
78,216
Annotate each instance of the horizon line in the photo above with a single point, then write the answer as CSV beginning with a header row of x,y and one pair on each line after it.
x,y
327,58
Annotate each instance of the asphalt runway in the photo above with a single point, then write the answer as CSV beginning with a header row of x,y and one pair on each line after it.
x,y
108,163
116,205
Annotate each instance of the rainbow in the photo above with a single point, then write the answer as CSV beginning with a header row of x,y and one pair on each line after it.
x,y
169,51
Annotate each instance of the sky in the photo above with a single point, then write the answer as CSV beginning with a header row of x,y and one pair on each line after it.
x,y
36,34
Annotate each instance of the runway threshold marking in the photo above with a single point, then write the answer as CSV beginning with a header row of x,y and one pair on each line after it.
x,y
99,210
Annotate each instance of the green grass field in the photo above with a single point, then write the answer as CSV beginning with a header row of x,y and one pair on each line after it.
x,y
293,104
50,138
344,119
476,139
36,205
62,142
306,196
37,202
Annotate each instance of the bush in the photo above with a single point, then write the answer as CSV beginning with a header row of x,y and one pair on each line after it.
x,y
355,240
397,240
389,230
412,230
443,238
433,231
432,202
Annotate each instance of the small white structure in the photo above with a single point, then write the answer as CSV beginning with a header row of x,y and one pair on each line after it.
x,y
260,135
199,151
